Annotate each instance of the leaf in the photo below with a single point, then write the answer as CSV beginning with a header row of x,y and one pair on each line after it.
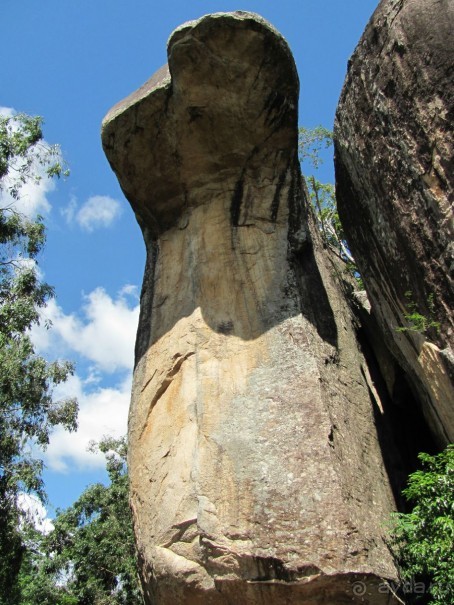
x,y
423,539
28,411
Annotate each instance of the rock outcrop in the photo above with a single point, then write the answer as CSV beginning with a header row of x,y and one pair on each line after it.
x,y
255,464
394,185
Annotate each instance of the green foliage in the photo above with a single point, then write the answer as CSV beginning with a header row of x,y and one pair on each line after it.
x,y
89,558
416,321
311,142
423,540
23,152
36,583
28,411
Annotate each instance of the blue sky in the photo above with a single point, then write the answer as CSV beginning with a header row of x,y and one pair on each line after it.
x,y
70,62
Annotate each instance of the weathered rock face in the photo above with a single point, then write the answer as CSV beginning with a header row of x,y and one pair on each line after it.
x,y
394,179
256,470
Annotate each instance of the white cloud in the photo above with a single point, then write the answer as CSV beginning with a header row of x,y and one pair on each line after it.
x,y
35,512
102,412
7,112
97,212
104,332
33,198
69,211
130,290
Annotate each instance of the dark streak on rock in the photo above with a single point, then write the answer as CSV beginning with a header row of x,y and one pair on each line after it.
x,y
269,568
146,303
275,107
195,113
237,198
225,327
277,196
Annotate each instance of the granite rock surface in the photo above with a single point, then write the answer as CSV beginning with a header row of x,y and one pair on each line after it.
x,y
394,161
255,463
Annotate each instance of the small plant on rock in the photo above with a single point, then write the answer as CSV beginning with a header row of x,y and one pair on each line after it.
x,y
416,321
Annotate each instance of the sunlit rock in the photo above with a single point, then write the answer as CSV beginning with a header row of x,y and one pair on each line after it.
x,y
255,465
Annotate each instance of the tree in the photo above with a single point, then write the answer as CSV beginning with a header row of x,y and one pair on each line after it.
x,y
311,142
423,539
89,558
23,152
28,411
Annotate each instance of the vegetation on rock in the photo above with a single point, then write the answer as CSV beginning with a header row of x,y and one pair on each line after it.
x,y
311,143
416,321
423,539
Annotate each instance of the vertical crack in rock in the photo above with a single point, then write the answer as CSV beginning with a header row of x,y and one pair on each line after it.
x,y
255,464
394,157
277,195
237,198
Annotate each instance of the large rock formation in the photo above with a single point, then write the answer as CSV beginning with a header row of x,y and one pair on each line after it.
x,y
394,173
255,464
